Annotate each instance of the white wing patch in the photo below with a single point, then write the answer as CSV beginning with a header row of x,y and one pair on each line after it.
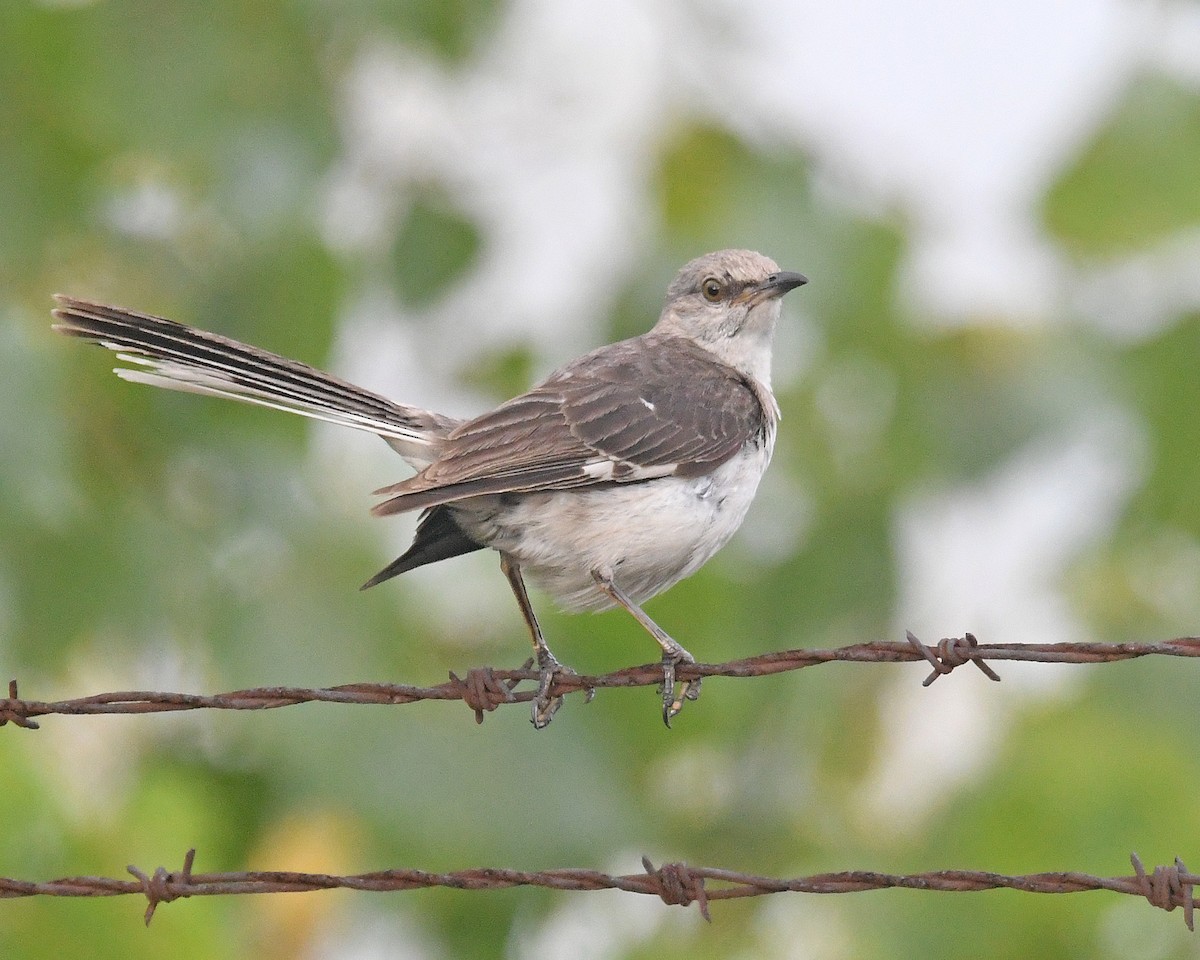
x,y
622,471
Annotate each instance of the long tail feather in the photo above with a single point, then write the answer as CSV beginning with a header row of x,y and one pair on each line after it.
x,y
178,357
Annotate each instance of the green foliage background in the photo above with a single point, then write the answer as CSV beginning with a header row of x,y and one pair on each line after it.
x,y
147,536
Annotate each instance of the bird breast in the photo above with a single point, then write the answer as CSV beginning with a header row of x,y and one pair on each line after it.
x,y
650,534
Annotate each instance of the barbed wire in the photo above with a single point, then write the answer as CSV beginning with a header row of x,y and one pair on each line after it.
x,y
1166,887
484,689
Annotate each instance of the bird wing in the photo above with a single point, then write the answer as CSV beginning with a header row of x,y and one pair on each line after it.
x,y
649,407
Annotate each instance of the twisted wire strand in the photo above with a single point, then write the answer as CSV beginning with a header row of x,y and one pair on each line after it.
x,y
484,689
1165,887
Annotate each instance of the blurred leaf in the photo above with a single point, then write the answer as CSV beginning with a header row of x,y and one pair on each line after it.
x,y
718,192
1163,384
1138,180
436,245
191,101
503,374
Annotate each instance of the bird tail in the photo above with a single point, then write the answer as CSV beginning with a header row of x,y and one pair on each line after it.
x,y
178,357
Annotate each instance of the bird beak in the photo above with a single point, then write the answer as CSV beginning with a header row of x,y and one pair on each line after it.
x,y
775,286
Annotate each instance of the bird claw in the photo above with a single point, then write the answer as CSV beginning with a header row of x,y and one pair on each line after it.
x,y
544,705
674,695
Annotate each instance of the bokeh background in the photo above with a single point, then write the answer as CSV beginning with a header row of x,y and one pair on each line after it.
x,y
991,420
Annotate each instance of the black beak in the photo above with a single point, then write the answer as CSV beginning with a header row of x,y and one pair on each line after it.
x,y
783,281
776,285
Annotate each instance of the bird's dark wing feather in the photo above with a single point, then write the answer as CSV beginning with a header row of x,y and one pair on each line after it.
x,y
643,408
673,405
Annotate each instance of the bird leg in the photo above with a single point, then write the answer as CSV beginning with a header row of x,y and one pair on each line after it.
x,y
673,653
544,706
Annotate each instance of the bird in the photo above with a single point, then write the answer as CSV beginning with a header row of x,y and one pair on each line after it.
x,y
620,474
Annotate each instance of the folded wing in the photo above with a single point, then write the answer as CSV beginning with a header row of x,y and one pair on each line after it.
x,y
627,412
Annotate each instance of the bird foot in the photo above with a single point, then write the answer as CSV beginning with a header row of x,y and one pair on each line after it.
x,y
673,694
544,705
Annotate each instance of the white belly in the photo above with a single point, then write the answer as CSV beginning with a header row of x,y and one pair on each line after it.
x,y
650,534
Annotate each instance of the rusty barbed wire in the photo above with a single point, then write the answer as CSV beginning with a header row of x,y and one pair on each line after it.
x,y
484,689
1166,887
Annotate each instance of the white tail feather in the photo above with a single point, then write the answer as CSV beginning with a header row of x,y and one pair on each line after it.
x,y
412,445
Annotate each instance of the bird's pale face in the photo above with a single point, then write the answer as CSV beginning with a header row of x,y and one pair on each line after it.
x,y
729,302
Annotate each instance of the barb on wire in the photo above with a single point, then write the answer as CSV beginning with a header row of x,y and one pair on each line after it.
x,y
1166,887
484,689
951,652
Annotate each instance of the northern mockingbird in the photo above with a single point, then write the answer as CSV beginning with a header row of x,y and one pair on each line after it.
x,y
619,475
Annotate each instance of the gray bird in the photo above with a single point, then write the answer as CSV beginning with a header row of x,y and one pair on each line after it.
x,y
619,475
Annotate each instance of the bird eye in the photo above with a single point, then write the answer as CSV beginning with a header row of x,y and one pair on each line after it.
x,y
712,288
